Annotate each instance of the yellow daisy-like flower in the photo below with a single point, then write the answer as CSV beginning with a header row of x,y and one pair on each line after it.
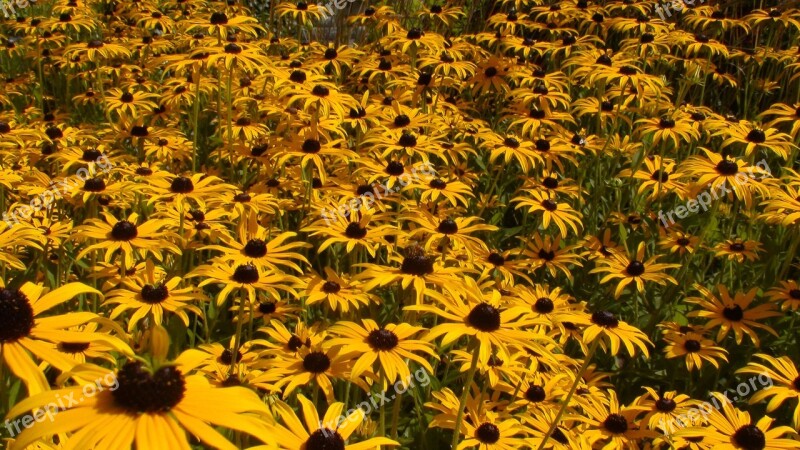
x,y
152,298
23,329
635,269
340,292
329,432
149,407
605,326
133,239
732,429
389,345
733,313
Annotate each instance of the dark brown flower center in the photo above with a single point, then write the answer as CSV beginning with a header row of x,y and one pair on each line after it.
x,y
542,145
487,433
90,155
320,91
267,307
181,185
547,255
750,437
437,183
511,142
294,343
756,136
153,294
549,205
665,404
616,423
316,362
484,317
255,248
535,393
402,121
354,231
727,167
94,185
550,183
246,274
417,264
311,146
683,242
795,294
219,18
407,140
605,319
297,76
635,268
544,305
395,168
226,357
382,340
734,313
124,231
660,175
736,247
140,391
331,287
325,439
16,315
691,346
496,259
139,131
448,226
73,347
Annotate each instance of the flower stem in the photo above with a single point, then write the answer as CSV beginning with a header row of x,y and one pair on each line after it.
x,y
572,390
463,401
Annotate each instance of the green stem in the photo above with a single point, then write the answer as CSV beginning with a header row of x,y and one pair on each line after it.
x,y
465,393
572,390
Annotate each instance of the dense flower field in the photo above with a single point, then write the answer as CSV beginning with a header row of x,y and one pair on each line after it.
x,y
410,224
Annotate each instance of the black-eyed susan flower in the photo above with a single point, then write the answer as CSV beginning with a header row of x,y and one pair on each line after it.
x,y
732,313
733,429
388,345
145,401
152,298
331,432
340,292
25,331
634,269
135,239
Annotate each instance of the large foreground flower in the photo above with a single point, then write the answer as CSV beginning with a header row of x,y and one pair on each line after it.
x,y
153,408
23,331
